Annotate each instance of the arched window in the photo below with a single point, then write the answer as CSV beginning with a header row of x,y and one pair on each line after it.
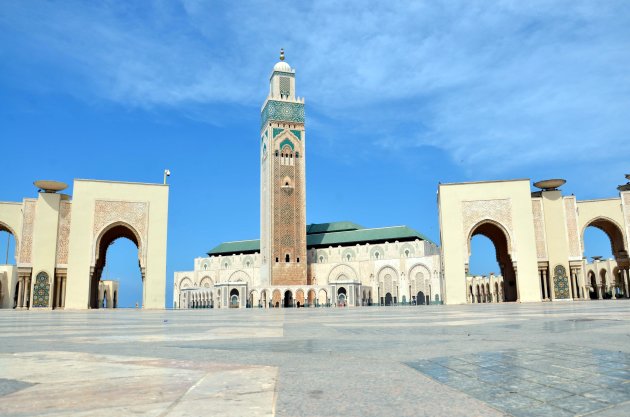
x,y
321,259
287,258
376,255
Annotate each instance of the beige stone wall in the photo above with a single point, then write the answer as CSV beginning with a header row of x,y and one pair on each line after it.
x,y
506,204
98,205
415,266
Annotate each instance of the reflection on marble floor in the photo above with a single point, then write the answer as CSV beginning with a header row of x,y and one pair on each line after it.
x,y
77,384
458,361
548,381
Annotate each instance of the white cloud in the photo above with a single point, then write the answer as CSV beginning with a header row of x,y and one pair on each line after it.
x,y
497,85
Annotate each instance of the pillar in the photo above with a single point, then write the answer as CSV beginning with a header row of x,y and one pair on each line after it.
x,y
545,289
63,292
626,276
19,292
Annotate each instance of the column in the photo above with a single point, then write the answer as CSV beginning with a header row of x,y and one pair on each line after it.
x,y
626,276
63,292
19,292
548,281
600,291
545,289
583,282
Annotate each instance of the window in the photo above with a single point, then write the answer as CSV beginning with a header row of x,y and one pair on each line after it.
x,y
298,260
276,259
287,258
376,255
321,259
348,257
407,253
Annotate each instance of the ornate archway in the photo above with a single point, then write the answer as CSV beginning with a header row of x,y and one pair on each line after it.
x,y
500,238
107,236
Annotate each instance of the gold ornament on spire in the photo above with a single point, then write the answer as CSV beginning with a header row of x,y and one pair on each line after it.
x,y
281,54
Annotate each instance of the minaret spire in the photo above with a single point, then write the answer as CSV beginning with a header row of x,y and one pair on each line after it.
x,y
281,54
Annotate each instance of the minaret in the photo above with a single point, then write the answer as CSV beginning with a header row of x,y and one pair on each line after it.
x,y
282,182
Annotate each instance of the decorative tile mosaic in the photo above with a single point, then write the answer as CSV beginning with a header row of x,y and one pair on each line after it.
x,y
297,134
282,111
41,290
277,131
560,282
287,142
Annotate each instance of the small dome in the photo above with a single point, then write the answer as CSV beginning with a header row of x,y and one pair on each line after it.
x,y
282,66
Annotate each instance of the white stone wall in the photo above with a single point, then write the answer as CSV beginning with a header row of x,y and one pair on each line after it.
x,y
402,269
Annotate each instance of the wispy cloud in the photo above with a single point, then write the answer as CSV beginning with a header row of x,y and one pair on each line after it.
x,y
497,85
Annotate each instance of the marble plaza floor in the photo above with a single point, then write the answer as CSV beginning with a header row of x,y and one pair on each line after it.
x,y
560,359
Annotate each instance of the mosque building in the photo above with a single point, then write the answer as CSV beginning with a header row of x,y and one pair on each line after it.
x,y
299,265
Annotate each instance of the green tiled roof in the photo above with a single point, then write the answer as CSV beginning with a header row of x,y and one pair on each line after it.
x,y
330,234
241,246
331,227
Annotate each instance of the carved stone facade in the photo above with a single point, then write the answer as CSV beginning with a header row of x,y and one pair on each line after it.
x,y
27,231
499,211
108,212
573,235
539,229
63,232
626,207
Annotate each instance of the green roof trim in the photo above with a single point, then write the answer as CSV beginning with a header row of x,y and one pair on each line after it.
x,y
241,246
330,234
331,227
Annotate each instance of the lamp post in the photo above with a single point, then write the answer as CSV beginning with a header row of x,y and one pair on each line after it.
x,y
167,173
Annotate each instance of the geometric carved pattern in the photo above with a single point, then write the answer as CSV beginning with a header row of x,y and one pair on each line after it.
x,y
41,290
240,276
387,278
500,211
342,272
417,275
285,86
282,111
63,234
572,227
27,231
539,229
134,214
560,282
626,207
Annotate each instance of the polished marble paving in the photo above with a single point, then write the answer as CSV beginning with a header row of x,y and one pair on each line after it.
x,y
560,359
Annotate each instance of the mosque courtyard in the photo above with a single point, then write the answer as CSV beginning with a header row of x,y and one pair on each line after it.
x,y
559,359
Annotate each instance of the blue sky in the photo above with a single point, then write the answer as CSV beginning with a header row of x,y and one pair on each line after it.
x,y
399,96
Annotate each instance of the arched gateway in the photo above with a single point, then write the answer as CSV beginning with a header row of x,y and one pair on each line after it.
x,y
538,238
62,242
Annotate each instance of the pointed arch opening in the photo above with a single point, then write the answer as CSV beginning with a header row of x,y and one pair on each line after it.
x,y
117,242
500,239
